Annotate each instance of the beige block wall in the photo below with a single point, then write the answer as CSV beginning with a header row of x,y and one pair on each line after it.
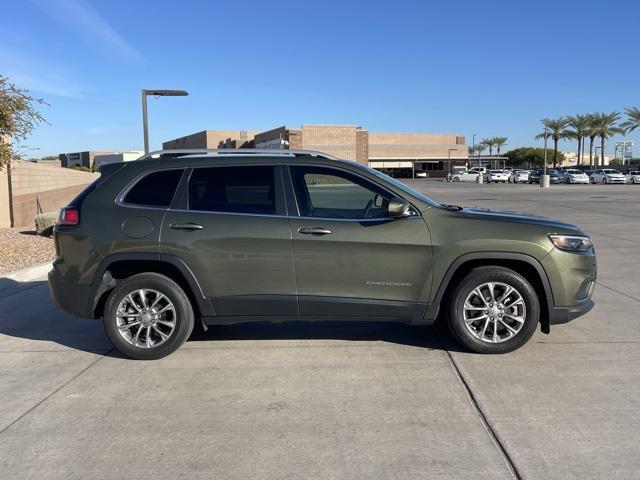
x,y
49,186
30,177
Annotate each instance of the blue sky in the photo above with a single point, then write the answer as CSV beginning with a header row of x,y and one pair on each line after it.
x,y
490,68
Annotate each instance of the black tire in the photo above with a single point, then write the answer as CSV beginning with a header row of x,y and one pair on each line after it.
x,y
604,180
592,181
478,276
184,319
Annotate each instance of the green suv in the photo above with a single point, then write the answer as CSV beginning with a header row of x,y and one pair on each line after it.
x,y
221,237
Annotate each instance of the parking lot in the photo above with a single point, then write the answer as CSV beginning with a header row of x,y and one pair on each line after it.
x,y
339,400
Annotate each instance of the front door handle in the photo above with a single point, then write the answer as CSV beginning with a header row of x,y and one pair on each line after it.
x,y
186,226
314,231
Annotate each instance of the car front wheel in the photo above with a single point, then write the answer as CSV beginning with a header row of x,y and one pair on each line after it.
x,y
493,310
148,316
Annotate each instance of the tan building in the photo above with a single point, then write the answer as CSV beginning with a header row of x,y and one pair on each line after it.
x,y
399,154
344,141
212,139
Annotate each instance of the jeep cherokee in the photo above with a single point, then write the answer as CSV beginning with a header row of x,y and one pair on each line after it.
x,y
248,235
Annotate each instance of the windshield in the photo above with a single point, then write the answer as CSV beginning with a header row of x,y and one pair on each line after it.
x,y
397,183
574,172
634,172
552,171
610,171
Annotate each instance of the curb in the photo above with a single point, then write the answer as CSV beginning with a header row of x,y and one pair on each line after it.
x,y
27,274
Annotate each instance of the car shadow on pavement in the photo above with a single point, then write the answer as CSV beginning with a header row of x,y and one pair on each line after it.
x,y
435,337
28,313
29,321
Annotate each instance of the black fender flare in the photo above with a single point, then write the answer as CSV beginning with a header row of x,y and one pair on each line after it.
x,y
433,308
103,280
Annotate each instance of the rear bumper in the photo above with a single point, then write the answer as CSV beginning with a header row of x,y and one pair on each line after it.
x,y
558,315
69,298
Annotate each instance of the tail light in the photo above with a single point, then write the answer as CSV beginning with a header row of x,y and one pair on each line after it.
x,y
69,216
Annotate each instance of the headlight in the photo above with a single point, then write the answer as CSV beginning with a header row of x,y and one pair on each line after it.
x,y
571,243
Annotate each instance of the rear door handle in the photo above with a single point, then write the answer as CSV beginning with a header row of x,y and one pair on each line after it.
x,y
314,231
186,226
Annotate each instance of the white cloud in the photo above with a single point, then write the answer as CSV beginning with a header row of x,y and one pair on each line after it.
x,y
78,14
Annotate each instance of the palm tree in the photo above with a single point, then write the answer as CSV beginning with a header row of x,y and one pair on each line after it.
x,y
633,119
489,143
556,130
499,142
592,133
579,123
605,128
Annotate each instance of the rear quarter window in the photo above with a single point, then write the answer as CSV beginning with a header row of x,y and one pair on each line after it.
x,y
154,189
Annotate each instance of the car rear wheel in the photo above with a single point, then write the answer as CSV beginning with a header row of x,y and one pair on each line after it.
x,y
604,180
493,310
148,316
592,181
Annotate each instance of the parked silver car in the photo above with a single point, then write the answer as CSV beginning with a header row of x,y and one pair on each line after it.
x,y
573,175
607,175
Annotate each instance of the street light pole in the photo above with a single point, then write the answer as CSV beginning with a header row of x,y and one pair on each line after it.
x,y
545,180
473,148
449,163
156,93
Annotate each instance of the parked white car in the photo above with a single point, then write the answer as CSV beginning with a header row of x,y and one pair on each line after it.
x,y
519,176
465,177
480,170
607,175
496,176
421,174
633,176
573,175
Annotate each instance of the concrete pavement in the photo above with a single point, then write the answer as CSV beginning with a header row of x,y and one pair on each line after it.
x,y
338,400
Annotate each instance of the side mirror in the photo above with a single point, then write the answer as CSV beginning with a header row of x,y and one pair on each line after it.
x,y
399,208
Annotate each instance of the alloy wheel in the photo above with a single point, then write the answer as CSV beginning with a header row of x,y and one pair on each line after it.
x,y
494,312
146,318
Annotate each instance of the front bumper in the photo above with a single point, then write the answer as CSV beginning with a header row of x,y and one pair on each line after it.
x,y
73,299
559,315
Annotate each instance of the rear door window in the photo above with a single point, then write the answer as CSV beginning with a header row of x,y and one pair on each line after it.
x,y
155,189
242,189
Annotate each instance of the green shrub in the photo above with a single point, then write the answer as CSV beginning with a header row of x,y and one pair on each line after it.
x,y
45,222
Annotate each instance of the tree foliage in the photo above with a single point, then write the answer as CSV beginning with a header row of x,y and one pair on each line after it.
x,y
633,119
18,117
531,157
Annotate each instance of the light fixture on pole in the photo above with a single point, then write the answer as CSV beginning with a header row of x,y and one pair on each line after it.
x,y
154,93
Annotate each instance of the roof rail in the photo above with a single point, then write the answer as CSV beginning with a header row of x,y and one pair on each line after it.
x,y
235,151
